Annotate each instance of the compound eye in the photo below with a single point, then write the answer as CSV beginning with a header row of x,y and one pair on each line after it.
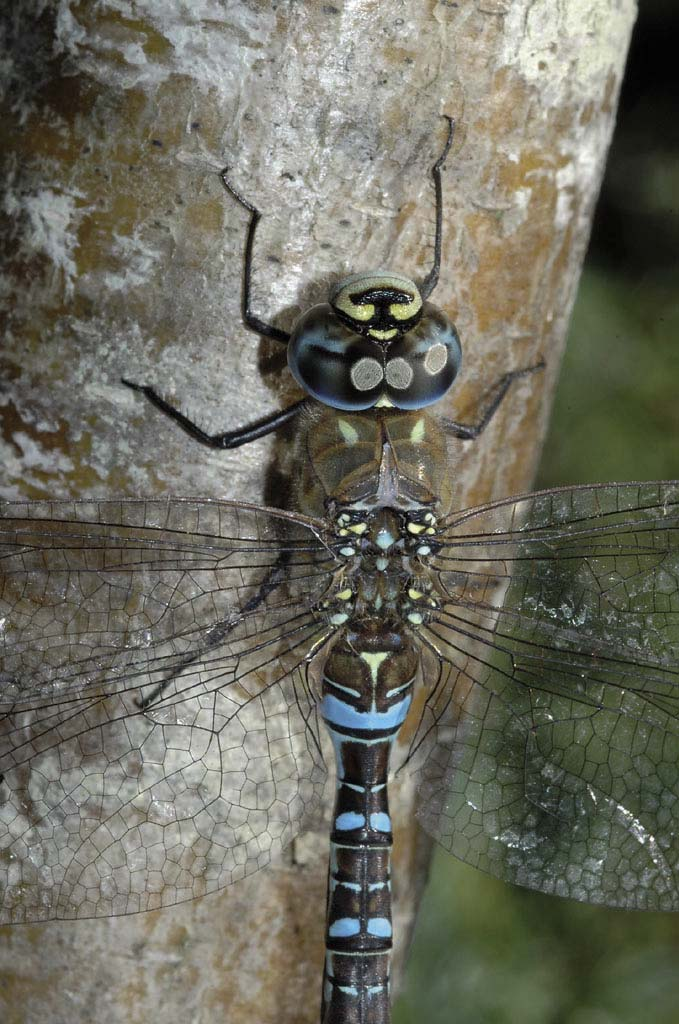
x,y
333,364
422,365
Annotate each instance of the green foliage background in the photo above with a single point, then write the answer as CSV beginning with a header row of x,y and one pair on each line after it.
x,y
488,953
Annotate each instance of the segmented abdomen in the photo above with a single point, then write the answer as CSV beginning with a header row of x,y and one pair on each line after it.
x,y
367,690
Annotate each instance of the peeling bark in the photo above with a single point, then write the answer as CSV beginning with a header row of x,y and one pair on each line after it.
x,y
124,258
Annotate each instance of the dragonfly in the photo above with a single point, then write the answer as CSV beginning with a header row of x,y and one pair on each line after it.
x,y
176,675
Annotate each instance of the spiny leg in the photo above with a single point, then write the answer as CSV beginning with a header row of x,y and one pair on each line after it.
x,y
493,400
431,280
249,318
232,438
229,438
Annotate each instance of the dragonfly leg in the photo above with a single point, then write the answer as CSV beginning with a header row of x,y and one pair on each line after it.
x,y
249,318
431,280
229,438
492,402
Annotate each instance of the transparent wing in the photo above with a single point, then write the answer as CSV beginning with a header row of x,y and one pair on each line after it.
x,y
552,725
158,734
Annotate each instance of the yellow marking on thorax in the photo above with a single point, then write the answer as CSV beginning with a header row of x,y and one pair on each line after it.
x,y
349,433
417,433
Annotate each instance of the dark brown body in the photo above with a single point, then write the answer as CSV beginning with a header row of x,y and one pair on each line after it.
x,y
375,472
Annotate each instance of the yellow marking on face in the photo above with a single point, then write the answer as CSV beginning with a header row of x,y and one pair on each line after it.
x,y
384,403
382,335
417,433
354,310
406,310
348,432
343,299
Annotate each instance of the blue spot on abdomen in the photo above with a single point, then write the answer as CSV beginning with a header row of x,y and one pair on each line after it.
x,y
380,927
344,927
380,821
349,820
339,713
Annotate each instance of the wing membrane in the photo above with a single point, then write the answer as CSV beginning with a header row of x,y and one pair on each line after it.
x,y
158,735
553,724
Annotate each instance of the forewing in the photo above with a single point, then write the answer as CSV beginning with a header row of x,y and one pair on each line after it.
x,y
158,734
552,725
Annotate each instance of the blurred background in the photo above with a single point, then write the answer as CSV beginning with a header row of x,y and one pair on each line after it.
x,y
485,952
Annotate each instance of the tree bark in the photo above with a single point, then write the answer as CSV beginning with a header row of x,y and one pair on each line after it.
x,y
125,259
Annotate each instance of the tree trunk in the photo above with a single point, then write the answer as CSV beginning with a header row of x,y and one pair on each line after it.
x,y
126,258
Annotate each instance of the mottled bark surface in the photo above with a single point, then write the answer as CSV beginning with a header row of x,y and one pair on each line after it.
x,y
124,257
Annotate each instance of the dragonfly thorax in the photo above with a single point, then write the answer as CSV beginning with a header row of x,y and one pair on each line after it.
x,y
384,533
386,575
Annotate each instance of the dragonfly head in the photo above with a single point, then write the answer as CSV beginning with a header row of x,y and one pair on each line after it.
x,y
375,343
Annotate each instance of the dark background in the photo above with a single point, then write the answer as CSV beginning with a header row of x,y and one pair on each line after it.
x,y
486,952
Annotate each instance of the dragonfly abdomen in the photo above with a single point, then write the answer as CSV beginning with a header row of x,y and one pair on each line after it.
x,y
367,691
